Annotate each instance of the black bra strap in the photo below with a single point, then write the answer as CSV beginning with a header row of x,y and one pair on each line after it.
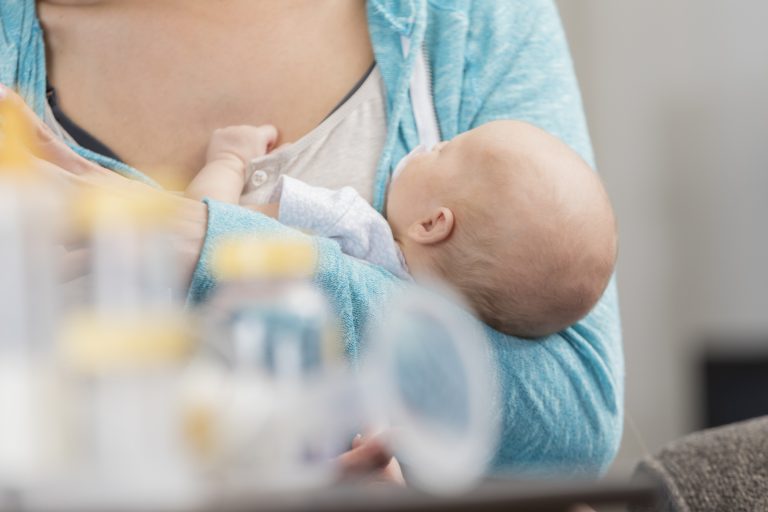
x,y
88,141
82,137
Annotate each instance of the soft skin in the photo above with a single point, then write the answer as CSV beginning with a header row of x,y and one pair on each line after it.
x,y
513,219
226,161
561,400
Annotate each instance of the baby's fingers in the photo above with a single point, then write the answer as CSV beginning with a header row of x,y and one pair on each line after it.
x,y
269,135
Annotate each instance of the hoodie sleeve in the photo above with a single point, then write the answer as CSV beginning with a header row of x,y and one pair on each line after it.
x,y
355,288
562,398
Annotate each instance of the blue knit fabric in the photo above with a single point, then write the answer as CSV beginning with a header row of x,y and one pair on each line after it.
x,y
561,400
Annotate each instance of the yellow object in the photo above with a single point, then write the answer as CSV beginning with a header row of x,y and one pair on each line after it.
x,y
102,344
199,430
92,207
16,139
253,257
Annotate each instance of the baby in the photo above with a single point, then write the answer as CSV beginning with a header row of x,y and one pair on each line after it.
x,y
507,214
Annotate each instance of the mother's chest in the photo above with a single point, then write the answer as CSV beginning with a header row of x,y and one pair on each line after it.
x,y
155,100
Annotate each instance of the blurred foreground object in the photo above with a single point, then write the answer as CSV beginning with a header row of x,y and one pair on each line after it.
x,y
123,351
87,380
270,348
289,405
725,468
492,495
28,389
428,376
112,395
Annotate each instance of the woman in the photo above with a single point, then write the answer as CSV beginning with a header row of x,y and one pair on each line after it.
x,y
149,81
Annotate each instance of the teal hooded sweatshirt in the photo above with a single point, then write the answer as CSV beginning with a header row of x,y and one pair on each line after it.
x,y
560,400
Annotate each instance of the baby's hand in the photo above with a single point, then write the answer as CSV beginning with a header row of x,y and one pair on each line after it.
x,y
241,143
229,152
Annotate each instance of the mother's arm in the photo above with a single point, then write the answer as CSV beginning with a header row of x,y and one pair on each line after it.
x,y
563,397
560,404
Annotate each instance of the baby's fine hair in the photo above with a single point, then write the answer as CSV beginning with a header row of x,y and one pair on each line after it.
x,y
534,241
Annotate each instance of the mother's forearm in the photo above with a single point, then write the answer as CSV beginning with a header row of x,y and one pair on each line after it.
x,y
560,400
559,403
224,220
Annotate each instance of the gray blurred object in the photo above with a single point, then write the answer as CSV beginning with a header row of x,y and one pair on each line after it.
x,y
720,469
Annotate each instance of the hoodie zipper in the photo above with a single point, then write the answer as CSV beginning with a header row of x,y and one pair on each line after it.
x,y
432,110
420,89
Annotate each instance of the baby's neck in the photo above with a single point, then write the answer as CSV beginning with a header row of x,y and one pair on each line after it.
x,y
418,257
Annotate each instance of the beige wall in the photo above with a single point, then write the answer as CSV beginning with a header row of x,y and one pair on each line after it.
x,y
676,92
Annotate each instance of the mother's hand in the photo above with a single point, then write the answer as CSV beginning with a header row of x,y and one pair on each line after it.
x,y
59,162
371,459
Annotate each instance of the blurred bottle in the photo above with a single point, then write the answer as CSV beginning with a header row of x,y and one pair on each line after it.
x,y
28,213
267,315
266,403
270,350
124,350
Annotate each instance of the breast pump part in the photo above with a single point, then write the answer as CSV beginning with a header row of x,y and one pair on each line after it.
x,y
429,379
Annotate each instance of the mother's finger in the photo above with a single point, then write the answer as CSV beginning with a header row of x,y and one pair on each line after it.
x,y
365,456
45,144
60,176
105,181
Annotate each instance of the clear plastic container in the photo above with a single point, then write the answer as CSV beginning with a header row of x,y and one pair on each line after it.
x,y
273,338
123,350
28,448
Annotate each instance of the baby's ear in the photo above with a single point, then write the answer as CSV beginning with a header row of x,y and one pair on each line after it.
x,y
434,228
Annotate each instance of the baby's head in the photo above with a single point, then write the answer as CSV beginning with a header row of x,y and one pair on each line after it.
x,y
514,220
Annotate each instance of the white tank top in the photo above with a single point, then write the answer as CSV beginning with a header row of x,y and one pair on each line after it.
x,y
341,151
